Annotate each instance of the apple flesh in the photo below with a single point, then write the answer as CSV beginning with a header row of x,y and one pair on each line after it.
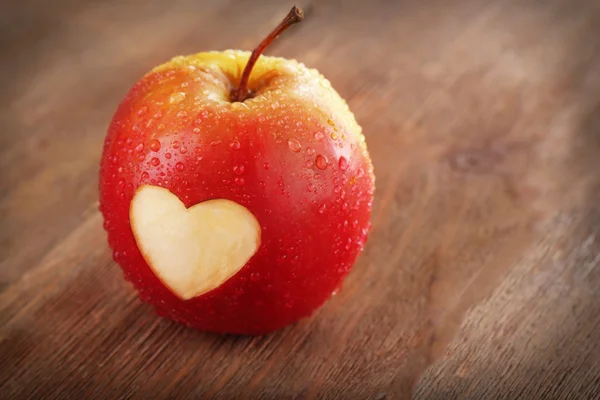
x,y
289,162
192,251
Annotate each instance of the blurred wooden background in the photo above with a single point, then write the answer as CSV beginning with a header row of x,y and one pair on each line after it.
x,y
483,121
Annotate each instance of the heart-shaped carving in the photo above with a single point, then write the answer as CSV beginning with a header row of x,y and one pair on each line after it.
x,y
195,250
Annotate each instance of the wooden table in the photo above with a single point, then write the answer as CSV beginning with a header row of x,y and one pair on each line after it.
x,y
483,121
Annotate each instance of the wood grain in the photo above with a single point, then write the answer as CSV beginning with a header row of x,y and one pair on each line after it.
x,y
483,122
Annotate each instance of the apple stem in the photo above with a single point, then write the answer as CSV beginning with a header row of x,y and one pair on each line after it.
x,y
295,15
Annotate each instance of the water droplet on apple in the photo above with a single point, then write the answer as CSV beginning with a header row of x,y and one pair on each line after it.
x,y
139,148
142,110
337,188
310,151
321,161
330,122
154,145
319,136
179,166
183,150
322,209
345,206
360,172
343,163
215,143
294,145
155,161
334,136
177,98
175,144
266,165
239,181
121,183
238,169
168,156
311,187
255,277
145,175
235,145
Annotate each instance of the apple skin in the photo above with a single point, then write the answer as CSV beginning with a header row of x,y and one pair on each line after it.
x,y
292,154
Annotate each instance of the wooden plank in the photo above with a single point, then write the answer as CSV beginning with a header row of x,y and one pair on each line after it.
x,y
482,121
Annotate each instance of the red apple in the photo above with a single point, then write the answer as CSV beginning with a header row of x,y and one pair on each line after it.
x,y
235,202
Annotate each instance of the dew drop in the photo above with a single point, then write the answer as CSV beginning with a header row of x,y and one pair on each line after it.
x,y
319,136
343,163
294,145
154,145
337,188
142,110
311,187
121,183
310,151
334,136
168,156
322,209
155,161
360,172
238,169
215,143
235,145
321,161
179,166
175,144
145,175
255,277
177,98
183,150
239,181
266,165
139,148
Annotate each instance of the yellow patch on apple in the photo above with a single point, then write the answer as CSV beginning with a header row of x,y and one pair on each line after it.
x,y
194,250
